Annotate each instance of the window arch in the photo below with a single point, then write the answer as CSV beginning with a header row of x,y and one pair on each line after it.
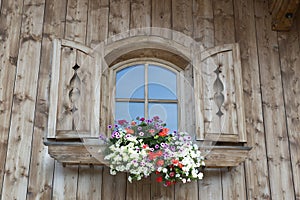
x,y
147,87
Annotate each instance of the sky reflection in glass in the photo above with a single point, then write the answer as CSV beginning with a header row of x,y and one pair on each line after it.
x,y
129,110
162,83
130,82
166,111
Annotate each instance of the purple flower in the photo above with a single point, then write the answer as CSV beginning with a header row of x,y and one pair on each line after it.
x,y
151,149
109,126
163,145
141,133
139,128
116,125
156,146
173,148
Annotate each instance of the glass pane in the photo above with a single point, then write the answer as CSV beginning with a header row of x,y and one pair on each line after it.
x,y
130,82
129,110
162,83
166,112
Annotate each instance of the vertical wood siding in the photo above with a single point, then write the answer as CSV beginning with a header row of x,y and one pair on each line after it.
x,y
270,74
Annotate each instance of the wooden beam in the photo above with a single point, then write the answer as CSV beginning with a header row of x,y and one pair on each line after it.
x,y
283,13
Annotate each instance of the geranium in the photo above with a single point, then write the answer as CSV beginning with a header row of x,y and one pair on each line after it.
x,y
141,147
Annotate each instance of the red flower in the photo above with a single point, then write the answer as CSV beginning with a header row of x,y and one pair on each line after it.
x,y
159,179
168,183
175,162
157,172
160,163
180,165
129,131
133,123
163,132
145,146
142,119
172,174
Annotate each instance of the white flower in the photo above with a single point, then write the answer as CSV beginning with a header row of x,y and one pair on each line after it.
x,y
184,180
200,175
130,179
113,172
165,170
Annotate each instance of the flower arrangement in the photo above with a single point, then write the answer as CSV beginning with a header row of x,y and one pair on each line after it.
x,y
141,147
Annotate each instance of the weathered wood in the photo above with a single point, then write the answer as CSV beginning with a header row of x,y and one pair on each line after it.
x,y
159,192
256,167
75,30
87,153
10,25
25,91
161,17
225,33
273,107
42,165
290,63
203,23
65,182
210,186
223,21
76,20
119,15
223,122
89,182
283,14
140,16
139,189
182,22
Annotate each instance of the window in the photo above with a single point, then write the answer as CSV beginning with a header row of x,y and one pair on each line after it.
x,y
147,89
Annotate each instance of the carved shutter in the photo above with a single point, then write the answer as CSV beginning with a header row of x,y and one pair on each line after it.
x,y
74,91
219,98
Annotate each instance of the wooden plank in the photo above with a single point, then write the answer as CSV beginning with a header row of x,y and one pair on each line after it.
x,y
283,14
203,23
118,182
140,17
119,15
89,182
76,20
210,186
97,28
182,22
20,139
289,48
90,179
139,189
66,179
161,17
233,184
273,107
159,192
42,166
223,21
256,167
10,25
225,33
65,182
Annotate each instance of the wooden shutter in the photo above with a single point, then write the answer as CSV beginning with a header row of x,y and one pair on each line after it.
x,y
74,91
218,95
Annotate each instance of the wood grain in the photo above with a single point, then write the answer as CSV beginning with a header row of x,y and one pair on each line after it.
x,y
256,167
25,91
10,26
42,166
290,63
278,154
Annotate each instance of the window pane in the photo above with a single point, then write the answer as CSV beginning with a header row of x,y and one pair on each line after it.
x,y
162,83
167,112
129,110
130,82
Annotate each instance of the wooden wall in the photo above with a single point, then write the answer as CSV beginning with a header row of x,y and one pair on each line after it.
x,y
270,70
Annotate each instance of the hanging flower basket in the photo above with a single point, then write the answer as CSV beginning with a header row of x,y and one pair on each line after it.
x,y
142,147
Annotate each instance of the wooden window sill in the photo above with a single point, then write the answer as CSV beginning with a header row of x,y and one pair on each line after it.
x,y
87,152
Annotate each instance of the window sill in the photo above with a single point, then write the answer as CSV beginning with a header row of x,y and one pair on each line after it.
x,y
87,152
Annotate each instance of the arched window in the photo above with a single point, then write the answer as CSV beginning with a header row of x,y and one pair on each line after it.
x,y
147,89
